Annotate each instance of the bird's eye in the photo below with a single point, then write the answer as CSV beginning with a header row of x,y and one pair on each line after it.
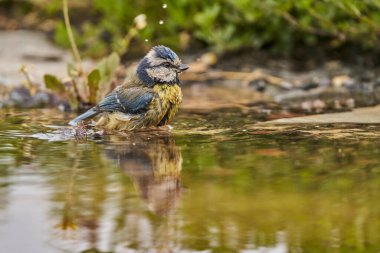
x,y
167,64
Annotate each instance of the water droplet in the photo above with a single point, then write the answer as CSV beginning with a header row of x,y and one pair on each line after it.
x,y
146,40
161,22
164,6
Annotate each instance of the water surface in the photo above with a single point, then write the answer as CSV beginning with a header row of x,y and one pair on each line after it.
x,y
215,183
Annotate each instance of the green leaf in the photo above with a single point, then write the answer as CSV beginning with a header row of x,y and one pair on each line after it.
x,y
108,65
52,83
93,81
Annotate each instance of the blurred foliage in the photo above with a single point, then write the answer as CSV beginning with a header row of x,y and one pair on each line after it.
x,y
222,25
82,89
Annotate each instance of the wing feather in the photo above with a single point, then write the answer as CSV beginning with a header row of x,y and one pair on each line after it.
x,y
133,100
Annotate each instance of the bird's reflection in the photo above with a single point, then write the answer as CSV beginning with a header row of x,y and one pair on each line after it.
x,y
154,164
152,161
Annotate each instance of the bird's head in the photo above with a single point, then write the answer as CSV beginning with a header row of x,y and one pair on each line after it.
x,y
160,66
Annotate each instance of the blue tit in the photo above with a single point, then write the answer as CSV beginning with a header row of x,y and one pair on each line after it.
x,y
148,98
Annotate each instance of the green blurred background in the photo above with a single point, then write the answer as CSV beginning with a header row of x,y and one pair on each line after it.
x,y
278,26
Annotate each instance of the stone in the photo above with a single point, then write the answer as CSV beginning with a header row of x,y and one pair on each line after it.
x,y
370,115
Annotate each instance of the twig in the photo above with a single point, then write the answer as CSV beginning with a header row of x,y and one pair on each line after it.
x,y
127,38
71,35
76,91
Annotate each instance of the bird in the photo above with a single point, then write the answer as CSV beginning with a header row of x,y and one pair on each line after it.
x,y
150,97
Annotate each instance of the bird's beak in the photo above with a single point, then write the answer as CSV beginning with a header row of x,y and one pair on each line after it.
x,y
183,67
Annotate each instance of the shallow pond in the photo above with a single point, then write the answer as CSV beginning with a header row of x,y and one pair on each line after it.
x,y
215,183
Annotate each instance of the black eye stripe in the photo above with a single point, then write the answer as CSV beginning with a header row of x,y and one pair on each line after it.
x,y
166,64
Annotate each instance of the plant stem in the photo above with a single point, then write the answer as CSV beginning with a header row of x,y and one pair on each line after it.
x,y
32,88
76,91
71,35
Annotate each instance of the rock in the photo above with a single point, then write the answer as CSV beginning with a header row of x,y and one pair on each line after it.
x,y
350,103
307,106
369,115
21,97
343,80
259,85
319,105
41,99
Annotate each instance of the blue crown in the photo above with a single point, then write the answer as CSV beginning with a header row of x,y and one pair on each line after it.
x,y
165,53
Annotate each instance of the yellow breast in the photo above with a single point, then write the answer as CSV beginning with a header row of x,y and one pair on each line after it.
x,y
169,94
170,98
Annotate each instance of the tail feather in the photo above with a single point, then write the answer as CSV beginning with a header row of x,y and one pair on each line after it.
x,y
89,114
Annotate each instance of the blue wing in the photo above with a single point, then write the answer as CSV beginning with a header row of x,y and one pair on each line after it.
x,y
132,100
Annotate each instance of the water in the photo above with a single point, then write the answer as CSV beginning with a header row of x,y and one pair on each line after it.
x,y
216,183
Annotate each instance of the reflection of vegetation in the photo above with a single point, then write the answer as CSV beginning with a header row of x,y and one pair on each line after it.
x,y
317,192
223,25
247,191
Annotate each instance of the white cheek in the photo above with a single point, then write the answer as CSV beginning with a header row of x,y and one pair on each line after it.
x,y
162,74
